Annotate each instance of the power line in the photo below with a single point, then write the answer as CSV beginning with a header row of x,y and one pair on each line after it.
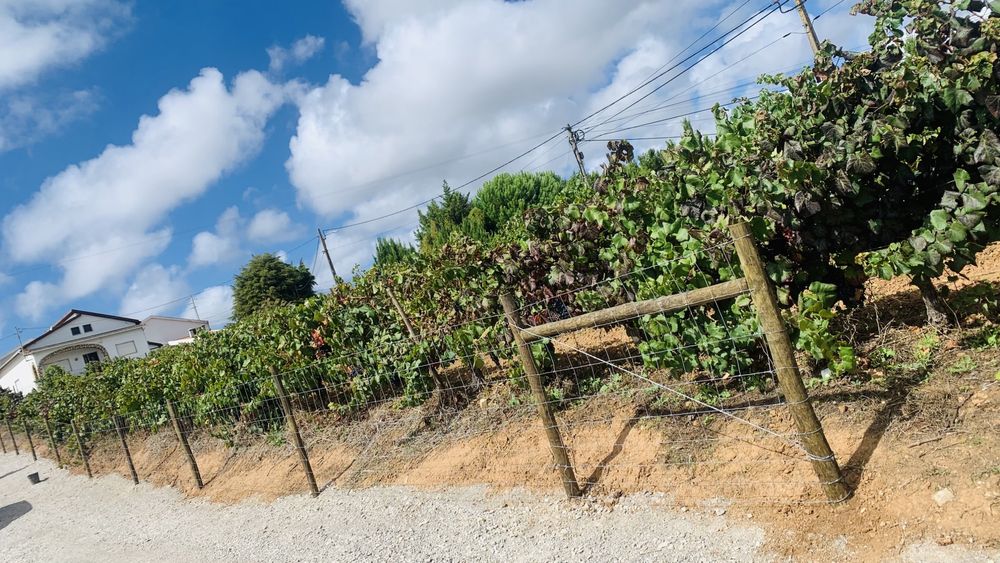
x,y
458,188
767,11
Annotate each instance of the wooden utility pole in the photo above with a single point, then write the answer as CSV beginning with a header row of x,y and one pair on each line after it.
x,y
326,252
194,307
574,140
556,445
786,369
808,24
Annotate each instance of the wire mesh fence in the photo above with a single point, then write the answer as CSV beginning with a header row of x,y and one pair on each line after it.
x,y
667,378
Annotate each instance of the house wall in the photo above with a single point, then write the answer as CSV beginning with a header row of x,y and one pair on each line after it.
x,y
65,335
128,343
19,375
163,330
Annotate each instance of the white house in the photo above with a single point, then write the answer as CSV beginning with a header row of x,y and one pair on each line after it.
x,y
82,337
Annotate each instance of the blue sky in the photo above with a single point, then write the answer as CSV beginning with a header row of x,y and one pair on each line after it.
x,y
148,149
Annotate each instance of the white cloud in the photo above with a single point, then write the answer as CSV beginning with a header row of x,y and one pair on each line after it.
x,y
39,35
223,245
103,216
154,290
302,50
456,80
214,305
25,119
272,225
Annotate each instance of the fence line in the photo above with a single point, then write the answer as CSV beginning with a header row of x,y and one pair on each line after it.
x,y
730,363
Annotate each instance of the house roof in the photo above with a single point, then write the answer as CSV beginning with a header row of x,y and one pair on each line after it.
x,y
9,357
180,319
74,314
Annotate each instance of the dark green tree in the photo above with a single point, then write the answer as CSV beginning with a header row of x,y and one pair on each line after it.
x,y
506,196
442,217
267,280
391,251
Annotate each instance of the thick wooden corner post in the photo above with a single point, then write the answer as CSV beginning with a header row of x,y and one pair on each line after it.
x,y
559,452
787,370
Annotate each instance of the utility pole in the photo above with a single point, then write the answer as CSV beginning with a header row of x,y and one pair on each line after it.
x,y
574,139
326,252
194,307
20,344
808,24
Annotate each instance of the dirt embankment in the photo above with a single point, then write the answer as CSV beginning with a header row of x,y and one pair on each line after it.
x,y
917,431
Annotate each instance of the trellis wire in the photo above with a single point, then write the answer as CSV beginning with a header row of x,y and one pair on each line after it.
x,y
392,449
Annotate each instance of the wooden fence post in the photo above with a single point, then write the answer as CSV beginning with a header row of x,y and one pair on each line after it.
x,y
286,406
31,443
12,438
183,439
559,452
120,429
3,444
83,450
52,441
818,450
431,370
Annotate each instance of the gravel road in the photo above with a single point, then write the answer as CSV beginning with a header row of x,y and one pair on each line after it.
x,y
71,518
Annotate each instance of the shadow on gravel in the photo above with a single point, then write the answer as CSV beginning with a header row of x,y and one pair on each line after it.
x,y
9,473
12,512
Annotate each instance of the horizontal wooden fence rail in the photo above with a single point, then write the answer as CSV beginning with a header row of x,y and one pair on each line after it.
x,y
621,313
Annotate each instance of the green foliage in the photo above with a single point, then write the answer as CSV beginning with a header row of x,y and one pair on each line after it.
x,y
391,251
268,280
815,336
442,218
883,164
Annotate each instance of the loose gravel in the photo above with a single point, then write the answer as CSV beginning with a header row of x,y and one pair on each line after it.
x,y
72,518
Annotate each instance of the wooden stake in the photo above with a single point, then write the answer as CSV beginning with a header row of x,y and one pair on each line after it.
x,y
12,438
293,427
431,370
120,429
183,439
541,401
83,450
52,441
31,443
810,430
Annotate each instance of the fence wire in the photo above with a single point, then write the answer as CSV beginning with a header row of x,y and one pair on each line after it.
x,y
685,402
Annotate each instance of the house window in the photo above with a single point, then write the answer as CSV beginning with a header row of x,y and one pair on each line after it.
x,y
75,330
88,328
126,348
91,357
